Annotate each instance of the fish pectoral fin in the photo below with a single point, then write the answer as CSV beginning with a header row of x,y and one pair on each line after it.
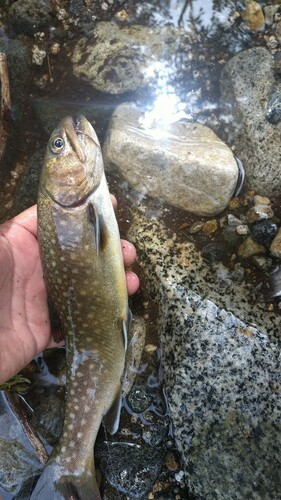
x,y
100,228
112,418
126,324
55,323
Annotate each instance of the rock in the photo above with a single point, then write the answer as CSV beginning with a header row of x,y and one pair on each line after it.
x,y
30,16
259,212
210,227
138,399
213,252
253,16
245,84
275,247
249,247
264,231
221,374
184,164
17,465
117,59
131,469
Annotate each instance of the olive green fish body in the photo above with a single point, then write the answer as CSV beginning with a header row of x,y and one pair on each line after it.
x,y
84,273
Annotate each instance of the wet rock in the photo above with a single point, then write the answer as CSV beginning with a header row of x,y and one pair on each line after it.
x,y
231,236
116,59
275,247
249,247
259,212
30,16
221,373
138,399
273,111
17,465
233,221
184,164
131,469
242,229
263,232
245,84
213,252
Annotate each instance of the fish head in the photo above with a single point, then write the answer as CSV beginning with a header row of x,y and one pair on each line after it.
x,y
73,165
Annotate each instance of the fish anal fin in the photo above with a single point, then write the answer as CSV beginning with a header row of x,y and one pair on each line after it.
x,y
100,228
112,417
55,323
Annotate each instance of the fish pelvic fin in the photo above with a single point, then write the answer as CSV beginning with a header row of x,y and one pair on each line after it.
x,y
55,484
99,226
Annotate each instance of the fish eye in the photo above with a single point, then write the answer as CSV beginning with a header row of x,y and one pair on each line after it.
x,y
57,145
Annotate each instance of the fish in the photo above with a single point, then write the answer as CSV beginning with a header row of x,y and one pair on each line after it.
x,y
83,269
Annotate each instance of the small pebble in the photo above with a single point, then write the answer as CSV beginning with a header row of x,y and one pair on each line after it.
x,y
196,227
234,203
242,229
150,348
210,227
275,247
264,231
253,16
261,200
259,212
55,48
171,461
38,55
249,247
233,221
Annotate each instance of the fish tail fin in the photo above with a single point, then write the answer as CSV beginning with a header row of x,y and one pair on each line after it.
x,y
55,484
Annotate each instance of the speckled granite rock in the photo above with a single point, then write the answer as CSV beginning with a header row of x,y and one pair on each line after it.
x,y
245,85
118,59
184,164
221,368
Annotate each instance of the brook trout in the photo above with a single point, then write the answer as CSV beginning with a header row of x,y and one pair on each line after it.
x,y
84,273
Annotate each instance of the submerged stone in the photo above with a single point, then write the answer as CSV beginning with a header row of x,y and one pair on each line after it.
x,y
117,59
130,468
184,164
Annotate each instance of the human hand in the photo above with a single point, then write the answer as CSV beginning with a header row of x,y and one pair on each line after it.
x,y
24,316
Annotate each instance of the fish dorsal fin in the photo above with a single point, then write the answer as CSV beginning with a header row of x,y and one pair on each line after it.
x,y
100,228
112,418
126,323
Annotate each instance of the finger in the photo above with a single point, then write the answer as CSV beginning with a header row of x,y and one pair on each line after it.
x,y
27,219
129,252
133,282
114,201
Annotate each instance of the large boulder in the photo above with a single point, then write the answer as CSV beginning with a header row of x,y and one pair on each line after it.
x,y
221,369
246,84
184,164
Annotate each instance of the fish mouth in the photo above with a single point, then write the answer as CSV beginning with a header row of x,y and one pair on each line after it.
x,y
76,130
